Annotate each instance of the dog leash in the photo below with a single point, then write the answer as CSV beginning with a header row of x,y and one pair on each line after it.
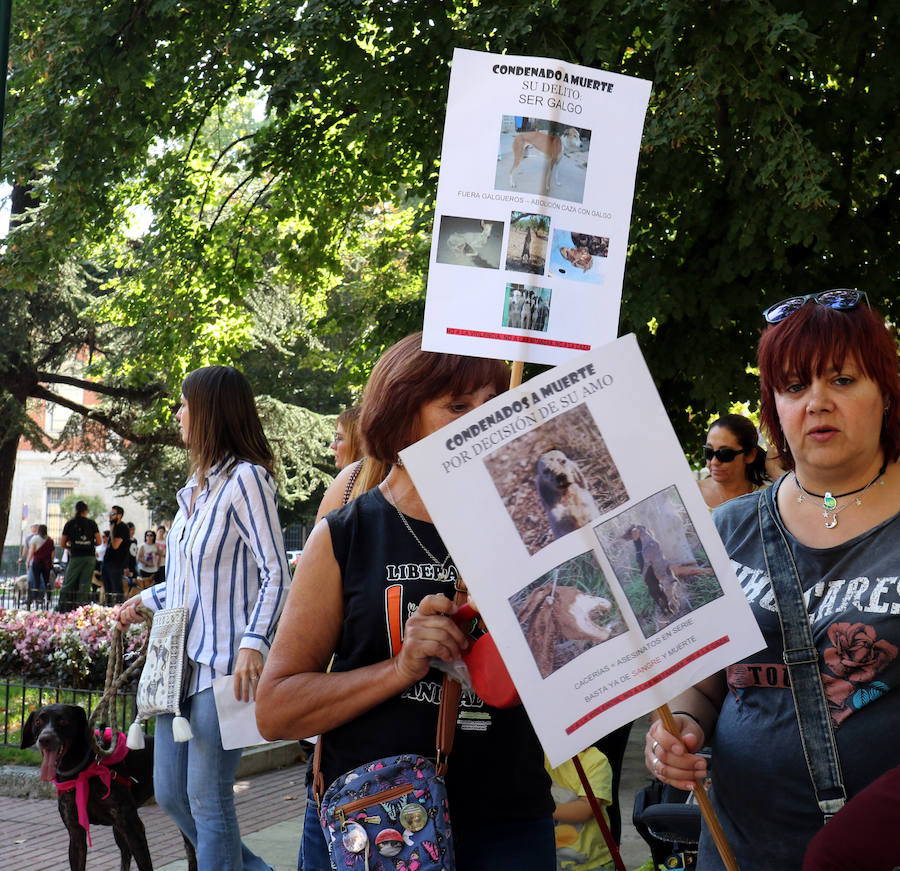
x,y
116,678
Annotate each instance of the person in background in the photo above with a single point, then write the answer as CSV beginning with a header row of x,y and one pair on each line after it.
x,y
147,559
580,845
346,444
375,700
161,534
101,549
735,459
24,554
39,564
830,399
80,537
131,570
115,559
235,587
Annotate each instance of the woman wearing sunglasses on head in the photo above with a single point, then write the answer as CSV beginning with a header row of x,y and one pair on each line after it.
x,y
736,462
830,394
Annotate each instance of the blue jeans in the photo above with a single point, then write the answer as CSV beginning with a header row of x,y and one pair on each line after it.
x,y
313,849
194,783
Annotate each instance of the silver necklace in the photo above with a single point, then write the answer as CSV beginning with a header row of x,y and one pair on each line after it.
x,y
443,571
830,510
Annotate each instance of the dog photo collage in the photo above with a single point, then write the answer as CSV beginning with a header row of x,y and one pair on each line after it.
x,y
561,477
545,158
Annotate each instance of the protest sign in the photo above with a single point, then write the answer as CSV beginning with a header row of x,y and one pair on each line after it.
x,y
533,207
580,531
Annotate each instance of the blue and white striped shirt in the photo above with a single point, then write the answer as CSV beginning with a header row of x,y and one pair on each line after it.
x,y
239,570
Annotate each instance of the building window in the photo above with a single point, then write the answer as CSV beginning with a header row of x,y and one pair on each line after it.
x,y
55,520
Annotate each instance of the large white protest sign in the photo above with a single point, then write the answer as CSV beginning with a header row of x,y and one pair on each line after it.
x,y
533,207
580,531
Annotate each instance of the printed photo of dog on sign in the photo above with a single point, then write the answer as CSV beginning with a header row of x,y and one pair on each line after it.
x,y
578,256
538,156
566,612
469,242
658,560
526,249
557,477
527,308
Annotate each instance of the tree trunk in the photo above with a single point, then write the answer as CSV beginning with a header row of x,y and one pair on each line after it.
x,y
8,450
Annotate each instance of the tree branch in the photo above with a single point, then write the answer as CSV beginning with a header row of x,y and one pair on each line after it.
x,y
138,394
41,392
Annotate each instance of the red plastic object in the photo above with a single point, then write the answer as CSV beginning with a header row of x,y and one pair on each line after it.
x,y
490,679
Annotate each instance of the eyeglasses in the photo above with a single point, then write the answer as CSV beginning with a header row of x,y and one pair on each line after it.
x,y
840,298
723,455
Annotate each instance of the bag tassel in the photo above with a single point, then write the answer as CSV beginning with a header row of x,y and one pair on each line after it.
x,y
135,740
181,730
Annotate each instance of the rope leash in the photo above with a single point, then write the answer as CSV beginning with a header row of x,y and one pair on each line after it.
x,y
115,679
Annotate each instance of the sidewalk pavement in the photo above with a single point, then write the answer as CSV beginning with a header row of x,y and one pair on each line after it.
x,y
270,807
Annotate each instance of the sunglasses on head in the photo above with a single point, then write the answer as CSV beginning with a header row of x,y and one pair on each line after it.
x,y
840,298
723,455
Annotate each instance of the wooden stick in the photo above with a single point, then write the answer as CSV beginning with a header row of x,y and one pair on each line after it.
x,y
598,815
706,808
515,375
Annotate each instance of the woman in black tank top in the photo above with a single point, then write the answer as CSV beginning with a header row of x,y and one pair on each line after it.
x,y
373,589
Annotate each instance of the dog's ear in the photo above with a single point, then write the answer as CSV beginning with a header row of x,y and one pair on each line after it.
x,y
79,716
28,736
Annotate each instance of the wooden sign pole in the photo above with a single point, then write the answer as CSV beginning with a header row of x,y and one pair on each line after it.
x,y
706,808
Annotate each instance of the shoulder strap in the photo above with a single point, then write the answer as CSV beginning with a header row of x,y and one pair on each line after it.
x,y
802,660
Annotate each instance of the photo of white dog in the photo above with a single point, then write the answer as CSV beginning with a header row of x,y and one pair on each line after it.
x,y
469,242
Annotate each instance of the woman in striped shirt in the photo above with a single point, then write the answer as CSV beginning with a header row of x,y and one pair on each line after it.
x,y
236,588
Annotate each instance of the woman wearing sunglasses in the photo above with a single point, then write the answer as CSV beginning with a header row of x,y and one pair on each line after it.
x,y
831,405
736,462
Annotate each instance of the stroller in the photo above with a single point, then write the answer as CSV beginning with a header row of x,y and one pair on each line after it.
x,y
668,819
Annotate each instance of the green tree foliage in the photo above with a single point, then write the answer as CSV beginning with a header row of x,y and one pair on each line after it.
x,y
288,155
96,506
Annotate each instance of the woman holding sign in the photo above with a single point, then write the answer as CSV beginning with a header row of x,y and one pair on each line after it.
x,y
374,587
831,403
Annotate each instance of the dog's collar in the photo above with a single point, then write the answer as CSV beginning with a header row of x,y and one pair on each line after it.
x,y
72,772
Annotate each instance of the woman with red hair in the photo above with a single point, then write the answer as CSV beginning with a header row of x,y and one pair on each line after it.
x,y
831,407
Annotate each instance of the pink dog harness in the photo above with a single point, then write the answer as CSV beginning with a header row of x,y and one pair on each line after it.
x,y
98,768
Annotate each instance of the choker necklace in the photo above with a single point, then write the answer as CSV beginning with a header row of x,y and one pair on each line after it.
x,y
443,573
829,501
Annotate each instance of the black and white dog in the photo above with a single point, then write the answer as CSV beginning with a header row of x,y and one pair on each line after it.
x,y
62,735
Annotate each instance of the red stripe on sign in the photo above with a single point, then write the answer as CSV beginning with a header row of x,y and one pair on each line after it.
x,y
525,340
630,693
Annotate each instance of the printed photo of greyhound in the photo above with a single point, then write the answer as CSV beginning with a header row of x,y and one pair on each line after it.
x,y
552,147
540,156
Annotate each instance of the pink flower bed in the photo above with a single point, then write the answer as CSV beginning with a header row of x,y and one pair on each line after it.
x,y
69,649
